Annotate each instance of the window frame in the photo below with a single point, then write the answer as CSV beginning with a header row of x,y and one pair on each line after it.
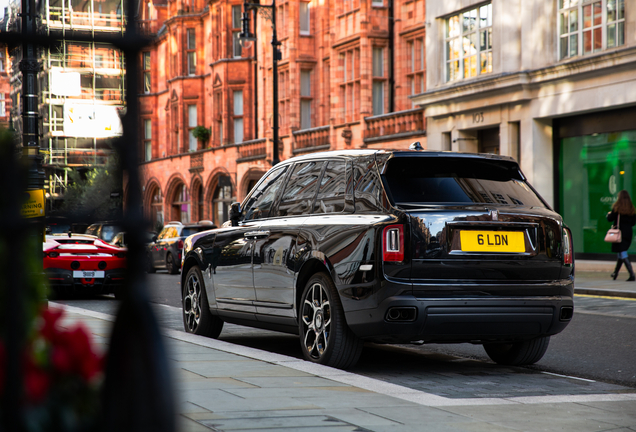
x,y
147,134
463,37
379,80
350,78
193,143
578,35
306,99
237,48
147,73
238,124
191,53
304,21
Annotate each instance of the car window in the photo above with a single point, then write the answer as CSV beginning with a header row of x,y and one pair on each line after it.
x,y
261,201
333,185
108,232
368,191
301,188
458,180
92,230
167,232
188,231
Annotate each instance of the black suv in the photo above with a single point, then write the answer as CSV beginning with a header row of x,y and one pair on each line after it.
x,y
164,250
391,247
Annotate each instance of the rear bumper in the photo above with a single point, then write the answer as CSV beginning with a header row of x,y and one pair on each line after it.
x,y
62,280
459,319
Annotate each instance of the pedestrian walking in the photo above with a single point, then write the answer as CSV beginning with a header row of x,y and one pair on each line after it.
x,y
624,214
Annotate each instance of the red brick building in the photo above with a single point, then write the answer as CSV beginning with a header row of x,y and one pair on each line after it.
x,y
347,70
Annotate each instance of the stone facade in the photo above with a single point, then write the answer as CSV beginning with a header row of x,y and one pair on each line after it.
x,y
535,84
330,95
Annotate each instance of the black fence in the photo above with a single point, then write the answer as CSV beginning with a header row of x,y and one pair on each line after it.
x,y
137,391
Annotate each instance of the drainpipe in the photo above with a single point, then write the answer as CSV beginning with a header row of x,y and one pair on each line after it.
x,y
392,48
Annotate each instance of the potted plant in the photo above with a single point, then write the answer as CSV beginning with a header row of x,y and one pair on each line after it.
x,y
201,133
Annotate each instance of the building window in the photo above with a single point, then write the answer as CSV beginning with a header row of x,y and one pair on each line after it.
x,y
3,106
146,61
377,3
416,72
1,60
238,116
350,86
305,22
191,52
589,26
305,99
378,80
469,43
156,209
181,205
222,200
237,49
147,139
192,123
283,98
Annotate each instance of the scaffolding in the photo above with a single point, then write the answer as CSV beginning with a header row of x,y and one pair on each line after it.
x,y
82,88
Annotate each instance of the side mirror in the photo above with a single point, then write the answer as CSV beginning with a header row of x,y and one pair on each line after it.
x,y
235,213
154,238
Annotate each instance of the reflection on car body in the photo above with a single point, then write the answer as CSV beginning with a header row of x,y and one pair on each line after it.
x,y
384,246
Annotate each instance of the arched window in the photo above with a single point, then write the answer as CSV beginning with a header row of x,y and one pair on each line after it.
x,y
156,209
222,199
181,204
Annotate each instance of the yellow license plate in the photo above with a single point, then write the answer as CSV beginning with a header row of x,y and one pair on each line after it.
x,y
492,241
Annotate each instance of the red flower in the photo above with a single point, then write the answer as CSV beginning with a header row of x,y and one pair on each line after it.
x,y
36,382
50,318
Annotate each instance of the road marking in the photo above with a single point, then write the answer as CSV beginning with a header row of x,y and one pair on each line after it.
x,y
359,381
604,297
568,376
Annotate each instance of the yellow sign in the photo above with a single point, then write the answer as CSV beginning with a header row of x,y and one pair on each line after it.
x,y
492,241
34,205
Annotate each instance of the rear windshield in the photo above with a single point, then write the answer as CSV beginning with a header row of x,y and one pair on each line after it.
x,y
440,180
188,231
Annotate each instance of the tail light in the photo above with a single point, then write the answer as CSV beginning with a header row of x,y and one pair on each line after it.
x,y
568,249
51,254
393,243
180,244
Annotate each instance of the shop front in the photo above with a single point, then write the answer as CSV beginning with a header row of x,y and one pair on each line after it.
x,y
597,159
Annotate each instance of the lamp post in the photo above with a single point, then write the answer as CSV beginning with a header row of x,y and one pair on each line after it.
x,y
268,12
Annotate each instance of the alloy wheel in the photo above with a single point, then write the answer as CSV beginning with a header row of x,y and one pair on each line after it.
x,y
316,319
192,303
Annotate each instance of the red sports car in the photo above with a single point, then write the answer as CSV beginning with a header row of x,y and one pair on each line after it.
x,y
80,263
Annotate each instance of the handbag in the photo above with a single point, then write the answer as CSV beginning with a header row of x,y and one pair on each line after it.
x,y
614,234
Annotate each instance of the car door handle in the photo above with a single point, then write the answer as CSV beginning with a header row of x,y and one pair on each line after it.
x,y
254,235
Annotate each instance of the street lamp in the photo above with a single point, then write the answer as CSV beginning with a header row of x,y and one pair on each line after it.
x,y
268,12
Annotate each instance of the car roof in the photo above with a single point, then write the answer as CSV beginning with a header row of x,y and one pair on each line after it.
x,y
395,153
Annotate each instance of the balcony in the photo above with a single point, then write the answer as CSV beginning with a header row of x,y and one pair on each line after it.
x,y
394,125
252,150
312,140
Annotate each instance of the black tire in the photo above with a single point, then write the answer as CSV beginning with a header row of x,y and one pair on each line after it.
x,y
171,265
119,295
325,337
197,318
518,353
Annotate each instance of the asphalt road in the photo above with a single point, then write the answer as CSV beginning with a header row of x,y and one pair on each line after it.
x,y
595,354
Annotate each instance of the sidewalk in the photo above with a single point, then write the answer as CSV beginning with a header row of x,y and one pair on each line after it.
x,y
593,278
225,387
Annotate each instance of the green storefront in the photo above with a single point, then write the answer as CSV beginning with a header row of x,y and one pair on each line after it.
x,y
596,160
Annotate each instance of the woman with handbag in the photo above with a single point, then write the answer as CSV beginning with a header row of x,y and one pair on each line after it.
x,y
624,215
